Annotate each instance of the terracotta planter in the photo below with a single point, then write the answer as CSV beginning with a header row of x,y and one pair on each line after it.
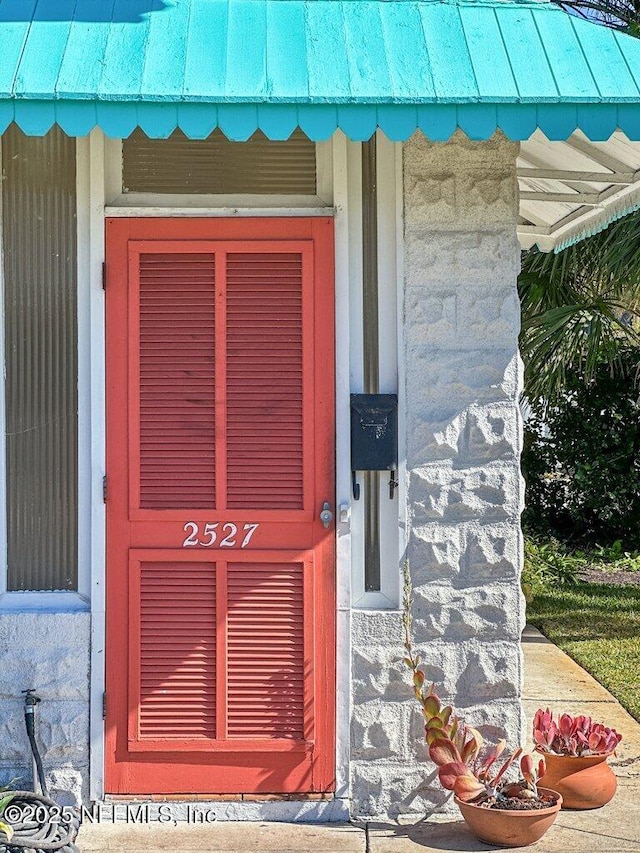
x,y
585,782
506,828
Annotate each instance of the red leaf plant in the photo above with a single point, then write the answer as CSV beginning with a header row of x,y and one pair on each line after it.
x,y
476,776
464,765
439,720
440,723
573,735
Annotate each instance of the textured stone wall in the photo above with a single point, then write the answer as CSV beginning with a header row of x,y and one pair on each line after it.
x,y
464,491
48,651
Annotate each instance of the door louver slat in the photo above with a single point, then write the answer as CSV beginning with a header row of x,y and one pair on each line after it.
x,y
265,681
264,381
177,650
177,399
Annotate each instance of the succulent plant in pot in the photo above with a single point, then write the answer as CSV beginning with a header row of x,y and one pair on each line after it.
x,y
576,750
509,813
499,810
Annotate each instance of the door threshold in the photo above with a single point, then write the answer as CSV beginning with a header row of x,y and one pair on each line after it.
x,y
217,808
210,798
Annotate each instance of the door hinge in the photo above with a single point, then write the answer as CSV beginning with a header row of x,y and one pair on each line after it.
x,y
104,706
104,488
104,276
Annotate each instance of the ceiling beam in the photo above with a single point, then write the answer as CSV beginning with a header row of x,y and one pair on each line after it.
x,y
597,154
531,212
530,160
567,175
542,230
592,199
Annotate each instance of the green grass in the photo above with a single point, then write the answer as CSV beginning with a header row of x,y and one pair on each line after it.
x,y
598,625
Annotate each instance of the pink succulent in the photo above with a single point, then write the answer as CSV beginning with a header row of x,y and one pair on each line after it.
x,y
573,735
581,725
566,725
479,779
542,719
544,737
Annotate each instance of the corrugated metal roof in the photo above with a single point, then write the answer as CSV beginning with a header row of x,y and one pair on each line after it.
x,y
318,64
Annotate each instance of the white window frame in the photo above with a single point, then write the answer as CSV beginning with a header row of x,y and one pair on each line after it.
x,y
237,204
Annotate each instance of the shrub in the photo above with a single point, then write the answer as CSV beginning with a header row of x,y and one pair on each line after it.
x,y
548,563
581,458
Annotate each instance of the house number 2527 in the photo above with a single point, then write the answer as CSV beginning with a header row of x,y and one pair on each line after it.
x,y
226,536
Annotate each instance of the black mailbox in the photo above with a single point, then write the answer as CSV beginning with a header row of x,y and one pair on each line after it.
x,y
374,436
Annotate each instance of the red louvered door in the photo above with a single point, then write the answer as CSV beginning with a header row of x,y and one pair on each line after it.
x,y
220,454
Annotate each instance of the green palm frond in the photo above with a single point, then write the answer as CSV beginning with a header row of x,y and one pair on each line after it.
x,y
579,307
618,14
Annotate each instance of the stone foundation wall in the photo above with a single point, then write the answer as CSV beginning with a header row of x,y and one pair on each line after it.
x,y
50,652
464,490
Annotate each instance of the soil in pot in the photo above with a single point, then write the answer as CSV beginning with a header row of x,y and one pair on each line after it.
x,y
515,825
585,781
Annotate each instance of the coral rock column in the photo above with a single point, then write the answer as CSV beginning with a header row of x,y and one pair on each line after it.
x,y
464,490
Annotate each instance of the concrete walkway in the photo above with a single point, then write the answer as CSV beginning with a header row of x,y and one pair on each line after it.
x,y
551,678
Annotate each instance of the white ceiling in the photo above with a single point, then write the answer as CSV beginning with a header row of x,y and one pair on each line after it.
x,y
571,189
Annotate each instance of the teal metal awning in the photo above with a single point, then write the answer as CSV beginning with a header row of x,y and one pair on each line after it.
x,y
273,65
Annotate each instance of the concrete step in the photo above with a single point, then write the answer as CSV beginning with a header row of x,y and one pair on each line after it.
x,y
223,837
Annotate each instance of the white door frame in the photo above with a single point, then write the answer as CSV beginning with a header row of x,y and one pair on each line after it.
x,y
339,192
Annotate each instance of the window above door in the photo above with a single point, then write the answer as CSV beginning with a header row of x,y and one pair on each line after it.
x,y
213,175
217,166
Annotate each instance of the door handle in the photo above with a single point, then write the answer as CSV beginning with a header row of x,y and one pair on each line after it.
x,y
326,516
